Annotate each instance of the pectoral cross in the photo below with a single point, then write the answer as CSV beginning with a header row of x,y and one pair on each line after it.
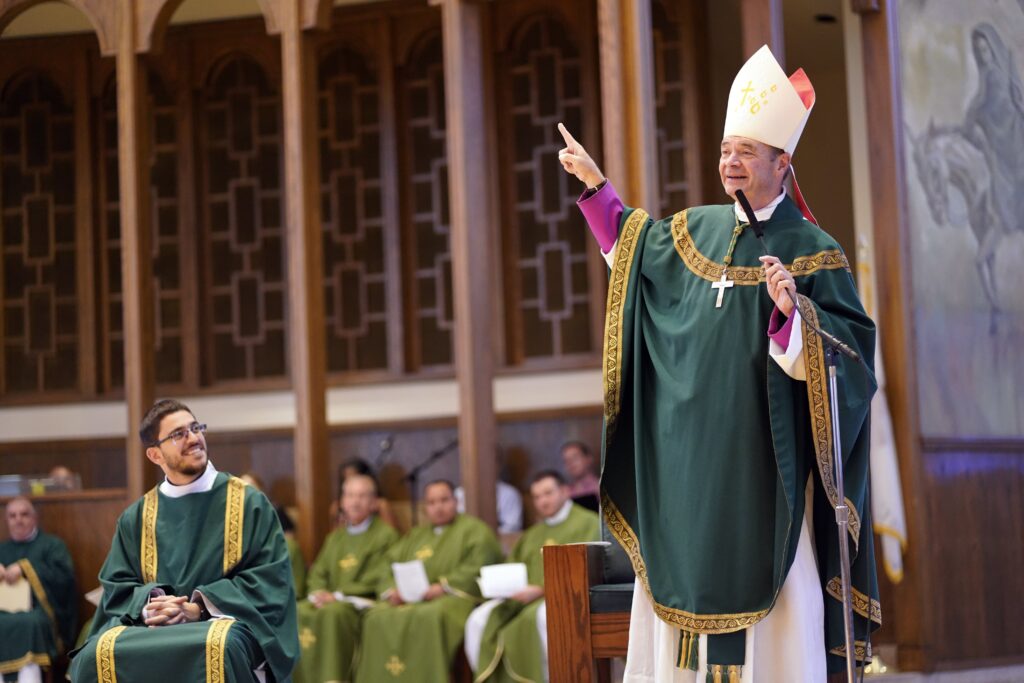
x,y
306,638
395,666
721,286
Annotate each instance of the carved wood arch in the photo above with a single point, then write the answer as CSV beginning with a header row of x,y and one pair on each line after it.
x,y
154,17
102,15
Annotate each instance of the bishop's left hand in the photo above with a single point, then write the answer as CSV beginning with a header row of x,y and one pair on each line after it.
x,y
779,281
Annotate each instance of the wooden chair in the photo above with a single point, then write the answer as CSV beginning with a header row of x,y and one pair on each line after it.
x,y
589,594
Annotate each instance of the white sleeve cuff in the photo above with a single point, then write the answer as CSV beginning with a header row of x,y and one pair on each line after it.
x,y
215,612
609,258
791,360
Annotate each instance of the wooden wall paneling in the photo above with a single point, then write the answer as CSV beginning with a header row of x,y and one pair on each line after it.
x,y
762,25
136,246
469,162
914,598
84,230
103,15
305,278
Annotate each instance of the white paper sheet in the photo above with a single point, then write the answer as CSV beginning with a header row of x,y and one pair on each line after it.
x,y
502,580
16,597
410,580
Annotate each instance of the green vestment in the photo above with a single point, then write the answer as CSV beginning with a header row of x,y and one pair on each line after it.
x,y
225,543
298,566
352,564
708,444
511,648
39,635
416,642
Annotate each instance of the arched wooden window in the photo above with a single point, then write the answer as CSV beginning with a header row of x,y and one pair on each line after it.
x,y
40,323
352,211
548,280
167,241
426,238
675,81
244,297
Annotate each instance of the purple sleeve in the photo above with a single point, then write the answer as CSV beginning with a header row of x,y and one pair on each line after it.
x,y
603,209
780,333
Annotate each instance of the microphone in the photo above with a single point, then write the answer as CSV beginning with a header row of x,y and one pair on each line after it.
x,y
384,447
758,229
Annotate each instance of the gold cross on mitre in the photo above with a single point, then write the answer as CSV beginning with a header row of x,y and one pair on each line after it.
x,y
307,638
348,562
424,553
395,666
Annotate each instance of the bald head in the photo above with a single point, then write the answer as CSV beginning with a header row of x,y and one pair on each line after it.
x,y
21,519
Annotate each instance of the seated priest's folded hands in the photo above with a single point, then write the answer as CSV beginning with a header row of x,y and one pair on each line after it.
x,y
342,584
198,583
417,642
519,623
30,640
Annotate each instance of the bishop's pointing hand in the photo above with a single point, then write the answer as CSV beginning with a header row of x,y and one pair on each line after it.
x,y
575,160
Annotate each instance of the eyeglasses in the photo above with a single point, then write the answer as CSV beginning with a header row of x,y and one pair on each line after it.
x,y
180,435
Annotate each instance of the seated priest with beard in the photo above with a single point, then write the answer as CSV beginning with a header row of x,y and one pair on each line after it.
x,y
198,584
342,583
415,643
31,640
507,640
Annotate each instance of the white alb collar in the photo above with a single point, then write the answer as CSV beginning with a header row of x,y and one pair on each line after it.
x,y
356,529
561,515
762,214
201,485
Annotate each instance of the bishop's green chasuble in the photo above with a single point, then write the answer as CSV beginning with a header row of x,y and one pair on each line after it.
x,y
708,444
352,564
511,649
225,543
417,642
39,635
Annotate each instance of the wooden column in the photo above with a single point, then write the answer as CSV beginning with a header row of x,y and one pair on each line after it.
x,y
136,243
470,164
627,100
306,342
914,607
762,25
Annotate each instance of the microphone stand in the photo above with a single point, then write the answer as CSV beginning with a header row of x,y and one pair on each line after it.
x,y
414,475
832,345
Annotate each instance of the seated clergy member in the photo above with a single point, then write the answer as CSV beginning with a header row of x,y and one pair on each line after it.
x,y
351,564
197,585
30,640
506,640
417,642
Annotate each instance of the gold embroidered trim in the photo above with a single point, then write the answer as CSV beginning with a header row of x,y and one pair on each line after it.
x,y
105,670
216,638
37,588
722,673
860,601
513,675
148,554
12,665
618,283
861,650
820,411
452,590
234,519
710,270
702,623
493,665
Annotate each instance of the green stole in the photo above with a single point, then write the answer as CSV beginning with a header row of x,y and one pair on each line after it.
x,y
329,635
708,444
39,635
417,642
226,543
510,649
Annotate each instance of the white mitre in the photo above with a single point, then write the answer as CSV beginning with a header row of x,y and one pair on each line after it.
x,y
766,106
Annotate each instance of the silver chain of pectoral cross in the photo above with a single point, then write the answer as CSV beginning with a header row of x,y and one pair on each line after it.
x,y
723,283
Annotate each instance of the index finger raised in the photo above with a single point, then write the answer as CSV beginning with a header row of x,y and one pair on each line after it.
x,y
566,135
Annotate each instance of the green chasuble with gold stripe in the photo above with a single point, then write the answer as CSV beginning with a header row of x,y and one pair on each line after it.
x,y
225,543
352,564
510,649
39,635
708,444
417,642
